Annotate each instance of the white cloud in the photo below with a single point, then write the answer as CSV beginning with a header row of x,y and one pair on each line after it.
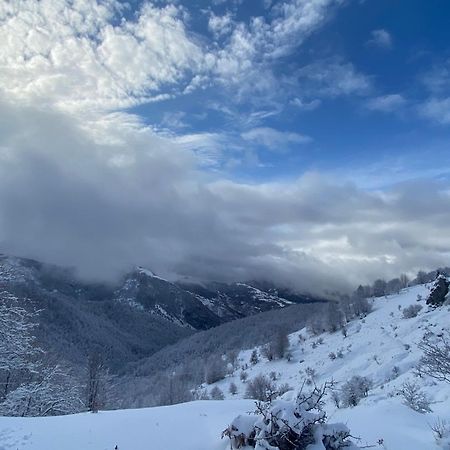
x,y
437,110
305,105
245,61
381,38
220,25
69,53
333,78
274,139
386,103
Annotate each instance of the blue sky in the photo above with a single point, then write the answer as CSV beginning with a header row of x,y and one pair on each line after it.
x,y
389,48
302,141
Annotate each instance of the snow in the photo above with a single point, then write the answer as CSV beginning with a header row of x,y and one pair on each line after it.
x,y
189,426
149,273
382,346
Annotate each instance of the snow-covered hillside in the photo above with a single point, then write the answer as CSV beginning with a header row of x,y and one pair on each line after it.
x,y
382,346
189,426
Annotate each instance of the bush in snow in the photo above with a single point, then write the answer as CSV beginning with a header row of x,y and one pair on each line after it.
x,y
261,388
435,361
215,369
201,394
232,389
411,311
283,389
243,376
354,390
438,291
441,432
254,357
297,424
414,397
216,393
277,347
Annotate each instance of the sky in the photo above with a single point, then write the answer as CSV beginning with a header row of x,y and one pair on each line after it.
x,y
301,141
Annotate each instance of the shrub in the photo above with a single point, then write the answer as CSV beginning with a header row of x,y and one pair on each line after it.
x,y
216,393
261,388
289,425
414,398
243,376
254,357
435,361
354,390
411,311
215,370
232,389
283,389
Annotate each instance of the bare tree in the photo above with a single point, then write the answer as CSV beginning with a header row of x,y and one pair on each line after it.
x,y
435,361
96,382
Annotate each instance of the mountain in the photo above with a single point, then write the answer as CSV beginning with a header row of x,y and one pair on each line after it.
x,y
382,346
130,319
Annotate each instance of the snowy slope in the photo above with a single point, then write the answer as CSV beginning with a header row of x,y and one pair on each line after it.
x,y
383,346
190,426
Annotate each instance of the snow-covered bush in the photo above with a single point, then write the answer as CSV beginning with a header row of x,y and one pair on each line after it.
x,y
435,361
411,311
216,393
261,388
354,390
441,432
215,369
414,398
243,376
254,357
233,389
277,347
284,424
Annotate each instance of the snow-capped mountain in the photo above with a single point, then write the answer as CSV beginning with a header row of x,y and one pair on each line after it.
x,y
134,317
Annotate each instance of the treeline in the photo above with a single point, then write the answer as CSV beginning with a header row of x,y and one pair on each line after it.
x,y
381,287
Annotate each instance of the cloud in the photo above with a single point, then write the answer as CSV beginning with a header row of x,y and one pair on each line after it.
x,y
114,194
386,103
84,183
436,106
305,105
437,110
333,78
73,55
220,25
381,38
274,139
247,58
437,80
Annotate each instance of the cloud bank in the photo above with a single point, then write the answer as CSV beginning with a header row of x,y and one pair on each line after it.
x,y
85,183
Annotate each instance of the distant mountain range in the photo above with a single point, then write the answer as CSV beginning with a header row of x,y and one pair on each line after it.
x,y
134,318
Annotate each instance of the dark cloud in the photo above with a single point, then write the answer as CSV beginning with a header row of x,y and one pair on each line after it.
x,y
105,194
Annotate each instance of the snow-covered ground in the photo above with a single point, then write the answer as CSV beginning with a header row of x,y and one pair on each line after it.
x,y
383,346
189,426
